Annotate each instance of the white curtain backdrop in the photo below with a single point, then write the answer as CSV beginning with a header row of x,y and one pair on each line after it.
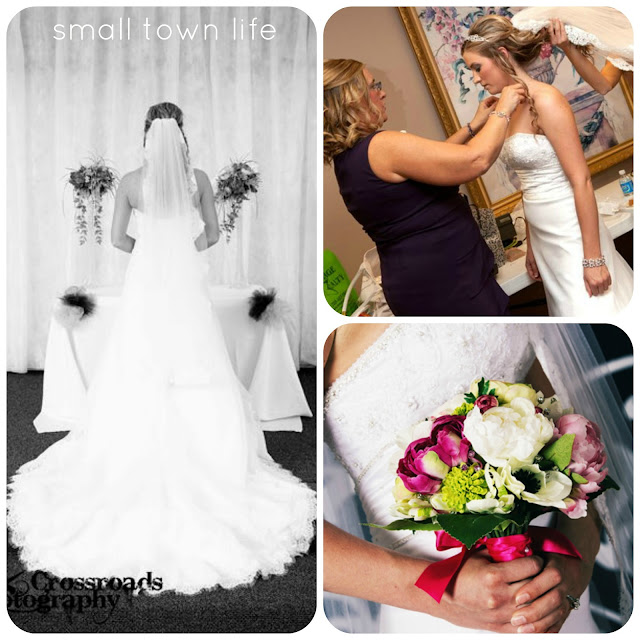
x,y
243,99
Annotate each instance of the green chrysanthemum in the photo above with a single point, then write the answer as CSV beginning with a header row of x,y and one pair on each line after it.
x,y
462,410
462,485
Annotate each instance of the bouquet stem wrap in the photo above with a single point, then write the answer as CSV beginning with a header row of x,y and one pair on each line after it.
x,y
435,579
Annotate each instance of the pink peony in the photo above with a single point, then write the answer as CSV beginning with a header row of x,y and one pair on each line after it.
x,y
576,507
447,440
414,473
419,470
588,456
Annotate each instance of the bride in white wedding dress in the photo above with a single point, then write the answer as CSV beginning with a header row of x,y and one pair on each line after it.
x,y
568,247
383,379
169,472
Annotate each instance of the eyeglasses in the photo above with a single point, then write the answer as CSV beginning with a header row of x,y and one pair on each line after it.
x,y
376,86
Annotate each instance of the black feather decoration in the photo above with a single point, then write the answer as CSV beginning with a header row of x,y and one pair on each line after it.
x,y
259,301
78,297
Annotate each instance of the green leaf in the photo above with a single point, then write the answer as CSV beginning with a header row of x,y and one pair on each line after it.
x,y
407,525
483,387
468,528
559,452
544,464
576,477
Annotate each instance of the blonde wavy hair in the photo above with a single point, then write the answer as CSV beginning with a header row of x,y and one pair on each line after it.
x,y
348,112
524,47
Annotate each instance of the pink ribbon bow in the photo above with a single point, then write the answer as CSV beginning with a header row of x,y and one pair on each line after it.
x,y
436,577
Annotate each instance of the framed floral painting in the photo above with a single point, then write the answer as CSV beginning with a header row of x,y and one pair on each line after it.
x,y
605,122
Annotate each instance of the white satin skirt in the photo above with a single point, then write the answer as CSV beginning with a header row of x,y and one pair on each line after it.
x,y
556,241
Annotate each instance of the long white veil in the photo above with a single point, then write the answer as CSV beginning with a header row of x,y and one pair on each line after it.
x,y
575,366
167,176
606,29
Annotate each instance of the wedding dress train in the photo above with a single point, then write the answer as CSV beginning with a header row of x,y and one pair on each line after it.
x,y
555,235
170,472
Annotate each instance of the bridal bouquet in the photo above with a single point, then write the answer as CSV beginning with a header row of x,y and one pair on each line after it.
x,y
486,464
234,185
90,184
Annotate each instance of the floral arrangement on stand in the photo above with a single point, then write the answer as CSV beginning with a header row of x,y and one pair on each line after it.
x,y
486,464
90,184
234,184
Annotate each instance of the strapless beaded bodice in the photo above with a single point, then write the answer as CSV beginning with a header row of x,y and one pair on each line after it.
x,y
535,161
407,373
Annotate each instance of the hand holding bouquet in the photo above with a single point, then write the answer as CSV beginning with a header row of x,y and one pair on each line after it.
x,y
488,463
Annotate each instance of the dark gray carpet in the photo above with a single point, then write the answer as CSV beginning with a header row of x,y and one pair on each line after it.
x,y
279,604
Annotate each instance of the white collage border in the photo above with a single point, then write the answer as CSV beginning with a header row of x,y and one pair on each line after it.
x,y
327,320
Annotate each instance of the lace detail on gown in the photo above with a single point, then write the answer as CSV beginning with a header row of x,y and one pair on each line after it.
x,y
522,151
437,361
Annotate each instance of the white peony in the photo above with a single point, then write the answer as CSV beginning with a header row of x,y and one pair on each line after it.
x,y
521,391
508,435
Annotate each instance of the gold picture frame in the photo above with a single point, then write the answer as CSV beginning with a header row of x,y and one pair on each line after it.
x,y
478,189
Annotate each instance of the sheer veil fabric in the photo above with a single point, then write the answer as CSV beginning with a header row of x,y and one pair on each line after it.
x,y
170,472
418,367
607,30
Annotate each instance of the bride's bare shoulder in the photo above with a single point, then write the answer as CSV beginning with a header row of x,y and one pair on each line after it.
x,y
547,96
130,179
349,342
201,178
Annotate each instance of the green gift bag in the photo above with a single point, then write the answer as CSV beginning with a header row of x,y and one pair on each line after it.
x,y
336,283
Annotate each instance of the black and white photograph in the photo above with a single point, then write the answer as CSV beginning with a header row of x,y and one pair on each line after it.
x,y
161,319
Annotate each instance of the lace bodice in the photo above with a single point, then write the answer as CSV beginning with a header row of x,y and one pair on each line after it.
x,y
535,161
407,373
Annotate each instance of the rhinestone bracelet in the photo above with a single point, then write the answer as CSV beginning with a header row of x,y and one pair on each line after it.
x,y
501,114
594,262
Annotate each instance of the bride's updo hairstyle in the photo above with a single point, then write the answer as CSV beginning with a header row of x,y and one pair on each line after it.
x,y
164,110
348,112
524,47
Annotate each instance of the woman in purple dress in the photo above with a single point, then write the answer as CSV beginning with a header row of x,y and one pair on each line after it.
x,y
403,190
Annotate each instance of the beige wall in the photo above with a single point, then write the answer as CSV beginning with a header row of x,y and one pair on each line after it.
x,y
376,36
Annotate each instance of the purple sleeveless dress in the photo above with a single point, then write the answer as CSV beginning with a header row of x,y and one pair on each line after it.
x,y
433,259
